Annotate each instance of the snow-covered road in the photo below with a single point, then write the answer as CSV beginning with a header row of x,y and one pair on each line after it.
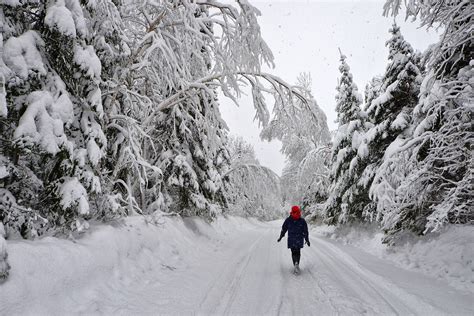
x,y
252,275
246,272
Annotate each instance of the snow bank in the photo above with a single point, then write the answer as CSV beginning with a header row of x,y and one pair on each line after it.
x,y
448,255
53,275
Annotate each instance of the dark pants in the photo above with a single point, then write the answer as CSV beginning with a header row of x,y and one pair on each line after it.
x,y
296,255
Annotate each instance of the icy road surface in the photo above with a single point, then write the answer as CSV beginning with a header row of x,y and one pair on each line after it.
x,y
193,268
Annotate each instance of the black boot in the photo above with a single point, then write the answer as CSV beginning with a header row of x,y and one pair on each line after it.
x,y
295,255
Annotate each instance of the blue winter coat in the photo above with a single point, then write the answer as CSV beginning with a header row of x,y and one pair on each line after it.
x,y
297,232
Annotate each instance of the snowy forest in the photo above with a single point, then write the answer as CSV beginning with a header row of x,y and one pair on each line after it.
x,y
110,109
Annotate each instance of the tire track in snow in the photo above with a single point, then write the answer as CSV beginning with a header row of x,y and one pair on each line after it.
x,y
344,294
250,288
226,276
373,286
235,284
267,271
359,289
286,274
358,294
302,294
326,296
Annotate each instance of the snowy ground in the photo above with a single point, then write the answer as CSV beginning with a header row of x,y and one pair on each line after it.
x,y
232,266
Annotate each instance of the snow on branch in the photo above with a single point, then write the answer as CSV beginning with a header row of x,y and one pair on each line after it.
x,y
187,47
285,93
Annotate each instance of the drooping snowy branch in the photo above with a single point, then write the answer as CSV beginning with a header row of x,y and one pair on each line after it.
x,y
251,189
303,131
182,53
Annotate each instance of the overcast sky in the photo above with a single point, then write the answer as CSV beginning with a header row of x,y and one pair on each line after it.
x,y
304,36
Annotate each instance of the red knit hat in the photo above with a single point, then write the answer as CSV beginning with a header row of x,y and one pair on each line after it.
x,y
295,212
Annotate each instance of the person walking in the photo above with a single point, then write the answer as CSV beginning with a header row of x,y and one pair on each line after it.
x,y
297,229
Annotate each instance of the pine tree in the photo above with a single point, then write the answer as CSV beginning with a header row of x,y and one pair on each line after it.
x,y
400,83
54,136
193,155
372,90
390,113
346,200
109,38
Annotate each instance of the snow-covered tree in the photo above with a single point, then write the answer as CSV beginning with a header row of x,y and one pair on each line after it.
x,y
372,90
251,189
193,157
182,52
305,135
313,180
53,135
439,190
241,151
297,127
400,83
109,107
123,165
391,115
347,198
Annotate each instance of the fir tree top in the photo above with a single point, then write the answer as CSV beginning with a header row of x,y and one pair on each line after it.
x,y
348,99
400,86
399,51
